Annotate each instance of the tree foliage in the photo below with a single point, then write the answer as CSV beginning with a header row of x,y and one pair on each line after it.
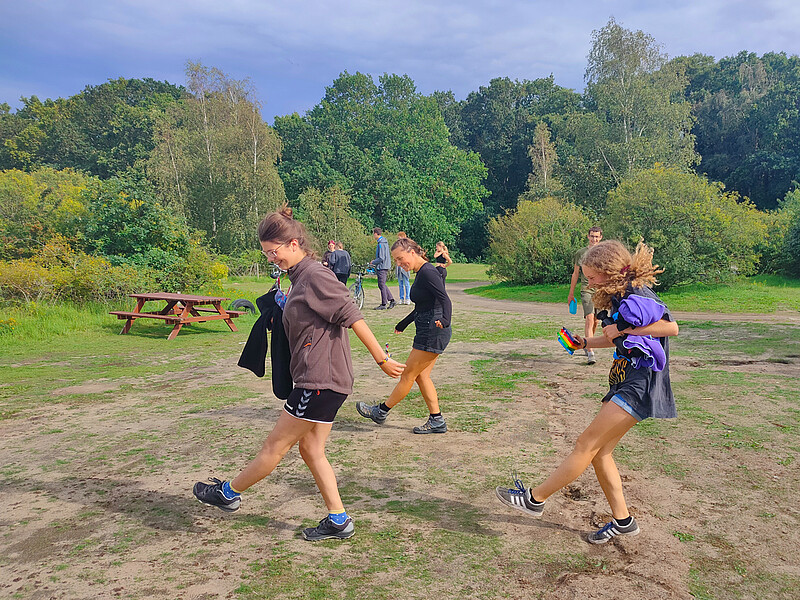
x,y
387,146
215,161
638,116
35,207
698,231
536,242
327,216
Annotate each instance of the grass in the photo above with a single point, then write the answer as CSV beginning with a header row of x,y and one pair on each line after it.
x,y
93,423
760,294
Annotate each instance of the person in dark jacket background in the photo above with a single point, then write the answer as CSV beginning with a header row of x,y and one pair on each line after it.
x,y
342,263
316,316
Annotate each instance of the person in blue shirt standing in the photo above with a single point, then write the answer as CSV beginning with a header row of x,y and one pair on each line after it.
x,y
382,264
403,279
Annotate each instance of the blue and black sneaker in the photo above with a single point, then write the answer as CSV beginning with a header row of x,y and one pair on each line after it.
x,y
327,530
610,530
519,498
212,495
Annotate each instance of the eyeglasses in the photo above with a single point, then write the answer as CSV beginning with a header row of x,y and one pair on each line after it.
x,y
271,254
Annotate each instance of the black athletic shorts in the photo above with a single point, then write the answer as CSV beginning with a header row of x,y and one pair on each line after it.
x,y
318,406
429,337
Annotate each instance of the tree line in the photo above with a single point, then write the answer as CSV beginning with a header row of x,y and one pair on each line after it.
x,y
381,153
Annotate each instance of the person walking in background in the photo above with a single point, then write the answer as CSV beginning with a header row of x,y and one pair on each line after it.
x,y
594,236
342,263
327,258
442,257
431,316
318,311
382,264
638,381
403,278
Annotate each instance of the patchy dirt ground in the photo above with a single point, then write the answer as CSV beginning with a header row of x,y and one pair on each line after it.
x,y
99,505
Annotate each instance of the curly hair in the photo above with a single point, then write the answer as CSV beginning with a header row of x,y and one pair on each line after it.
x,y
623,269
280,226
408,244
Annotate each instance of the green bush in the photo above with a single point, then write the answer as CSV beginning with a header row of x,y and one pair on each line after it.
x,y
58,272
536,242
697,230
125,219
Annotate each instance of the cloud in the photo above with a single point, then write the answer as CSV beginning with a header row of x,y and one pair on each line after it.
x,y
292,50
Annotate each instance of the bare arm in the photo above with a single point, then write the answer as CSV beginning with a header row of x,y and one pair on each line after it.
x,y
391,367
573,282
662,328
446,255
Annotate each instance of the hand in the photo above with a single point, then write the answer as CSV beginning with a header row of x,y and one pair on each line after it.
x,y
611,332
398,332
439,324
581,341
393,368
570,298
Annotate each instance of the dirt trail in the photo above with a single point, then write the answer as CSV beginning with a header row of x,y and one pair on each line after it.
x,y
457,293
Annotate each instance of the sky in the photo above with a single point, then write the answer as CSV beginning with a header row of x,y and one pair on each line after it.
x,y
292,49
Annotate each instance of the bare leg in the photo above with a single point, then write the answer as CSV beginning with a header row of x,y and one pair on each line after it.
x,y
287,431
416,363
427,388
589,325
312,449
608,475
610,424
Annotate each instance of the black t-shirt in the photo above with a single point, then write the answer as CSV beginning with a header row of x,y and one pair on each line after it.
x,y
427,292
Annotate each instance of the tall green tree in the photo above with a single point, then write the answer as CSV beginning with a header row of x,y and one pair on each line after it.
x,y
215,159
638,115
387,146
104,130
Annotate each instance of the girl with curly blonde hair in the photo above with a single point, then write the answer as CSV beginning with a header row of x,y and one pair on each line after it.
x,y
638,324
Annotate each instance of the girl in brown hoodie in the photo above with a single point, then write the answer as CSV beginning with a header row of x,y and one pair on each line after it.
x,y
317,314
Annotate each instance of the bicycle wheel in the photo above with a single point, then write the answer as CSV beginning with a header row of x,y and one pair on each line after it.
x,y
357,292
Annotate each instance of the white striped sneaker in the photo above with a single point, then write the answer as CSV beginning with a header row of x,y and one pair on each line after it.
x,y
517,497
611,530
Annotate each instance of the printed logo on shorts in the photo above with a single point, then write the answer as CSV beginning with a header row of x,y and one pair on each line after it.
x,y
303,404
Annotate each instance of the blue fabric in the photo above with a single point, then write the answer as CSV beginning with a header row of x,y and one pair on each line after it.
x,y
383,258
228,492
640,311
338,518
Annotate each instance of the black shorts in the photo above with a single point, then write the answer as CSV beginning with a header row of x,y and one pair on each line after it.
x,y
429,337
317,406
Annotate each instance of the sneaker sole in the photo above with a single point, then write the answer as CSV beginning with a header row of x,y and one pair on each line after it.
x,y
424,431
222,508
527,511
368,416
332,536
637,531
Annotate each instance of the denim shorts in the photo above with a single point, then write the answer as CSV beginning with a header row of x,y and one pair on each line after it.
x,y
619,401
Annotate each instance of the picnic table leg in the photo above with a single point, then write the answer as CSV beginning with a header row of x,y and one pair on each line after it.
x,y
223,312
129,321
175,331
187,309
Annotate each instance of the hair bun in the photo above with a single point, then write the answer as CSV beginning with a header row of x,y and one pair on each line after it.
x,y
286,211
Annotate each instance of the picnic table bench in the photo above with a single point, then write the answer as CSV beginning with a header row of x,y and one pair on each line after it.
x,y
180,310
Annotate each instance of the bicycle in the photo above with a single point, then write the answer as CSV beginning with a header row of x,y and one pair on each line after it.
x,y
357,289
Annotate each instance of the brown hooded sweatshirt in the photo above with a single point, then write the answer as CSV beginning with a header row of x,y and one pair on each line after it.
x,y
316,317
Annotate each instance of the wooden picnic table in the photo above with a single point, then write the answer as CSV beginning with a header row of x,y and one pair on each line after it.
x,y
180,310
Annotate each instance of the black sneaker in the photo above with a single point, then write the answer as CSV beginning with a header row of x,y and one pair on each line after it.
x,y
327,530
392,304
213,496
611,530
517,497
373,412
380,307
432,425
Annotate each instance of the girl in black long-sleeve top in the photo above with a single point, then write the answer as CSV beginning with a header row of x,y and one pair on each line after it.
x,y
431,315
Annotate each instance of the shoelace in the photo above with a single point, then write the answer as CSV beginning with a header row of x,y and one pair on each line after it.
x,y
519,487
605,531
